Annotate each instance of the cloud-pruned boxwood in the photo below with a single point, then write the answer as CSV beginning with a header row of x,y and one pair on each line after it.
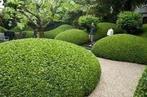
x,y
122,47
74,36
102,29
53,33
141,90
46,68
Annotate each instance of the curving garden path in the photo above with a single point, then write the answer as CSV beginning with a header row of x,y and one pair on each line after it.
x,y
119,79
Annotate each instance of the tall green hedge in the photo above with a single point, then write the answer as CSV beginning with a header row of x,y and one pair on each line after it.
x,y
53,33
74,36
122,47
141,90
46,68
102,29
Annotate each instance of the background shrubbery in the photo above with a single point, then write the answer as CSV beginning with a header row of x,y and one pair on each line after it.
x,y
74,36
131,22
122,48
102,29
141,90
53,33
46,68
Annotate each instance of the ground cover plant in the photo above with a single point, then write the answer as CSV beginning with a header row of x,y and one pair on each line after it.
x,y
53,33
141,90
122,47
46,68
75,36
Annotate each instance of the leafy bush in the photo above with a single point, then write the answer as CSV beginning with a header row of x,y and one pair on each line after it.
x,y
141,90
74,36
122,48
46,68
88,20
102,29
53,33
144,30
2,29
130,22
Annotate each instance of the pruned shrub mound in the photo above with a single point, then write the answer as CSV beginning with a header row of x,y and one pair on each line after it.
x,y
122,47
53,33
141,90
46,68
74,36
102,29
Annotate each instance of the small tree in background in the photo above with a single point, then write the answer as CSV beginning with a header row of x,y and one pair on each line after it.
x,y
130,22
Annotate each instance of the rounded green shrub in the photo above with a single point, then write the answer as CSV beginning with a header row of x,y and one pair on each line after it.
x,y
131,22
46,68
87,20
74,36
102,29
141,90
53,33
122,47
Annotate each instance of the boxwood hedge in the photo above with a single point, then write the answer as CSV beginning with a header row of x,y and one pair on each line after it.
x,y
46,68
53,33
141,90
74,36
102,29
122,48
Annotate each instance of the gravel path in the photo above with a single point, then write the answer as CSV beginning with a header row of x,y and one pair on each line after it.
x,y
119,79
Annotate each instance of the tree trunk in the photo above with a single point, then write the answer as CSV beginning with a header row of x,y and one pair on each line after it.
x,y
40,34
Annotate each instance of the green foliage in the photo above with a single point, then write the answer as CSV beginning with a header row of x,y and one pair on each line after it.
x,y
46,68
2,29
141,90
87,20
102,29
130,22
74,36
53,33
122,47
144,30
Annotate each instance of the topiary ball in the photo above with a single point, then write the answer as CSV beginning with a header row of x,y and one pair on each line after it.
x,y
122,47
53,33
46,68
74,36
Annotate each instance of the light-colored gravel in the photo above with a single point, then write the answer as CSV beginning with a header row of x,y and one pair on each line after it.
x,y
118,79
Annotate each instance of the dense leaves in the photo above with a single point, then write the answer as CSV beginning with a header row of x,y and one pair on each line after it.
x,y
141,90
74,36
53,33
46,68
122,47
131,22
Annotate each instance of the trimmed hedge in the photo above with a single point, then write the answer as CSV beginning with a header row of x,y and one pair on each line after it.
x,y
53,33
141,90
122,47
102,29
74,36
46,68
